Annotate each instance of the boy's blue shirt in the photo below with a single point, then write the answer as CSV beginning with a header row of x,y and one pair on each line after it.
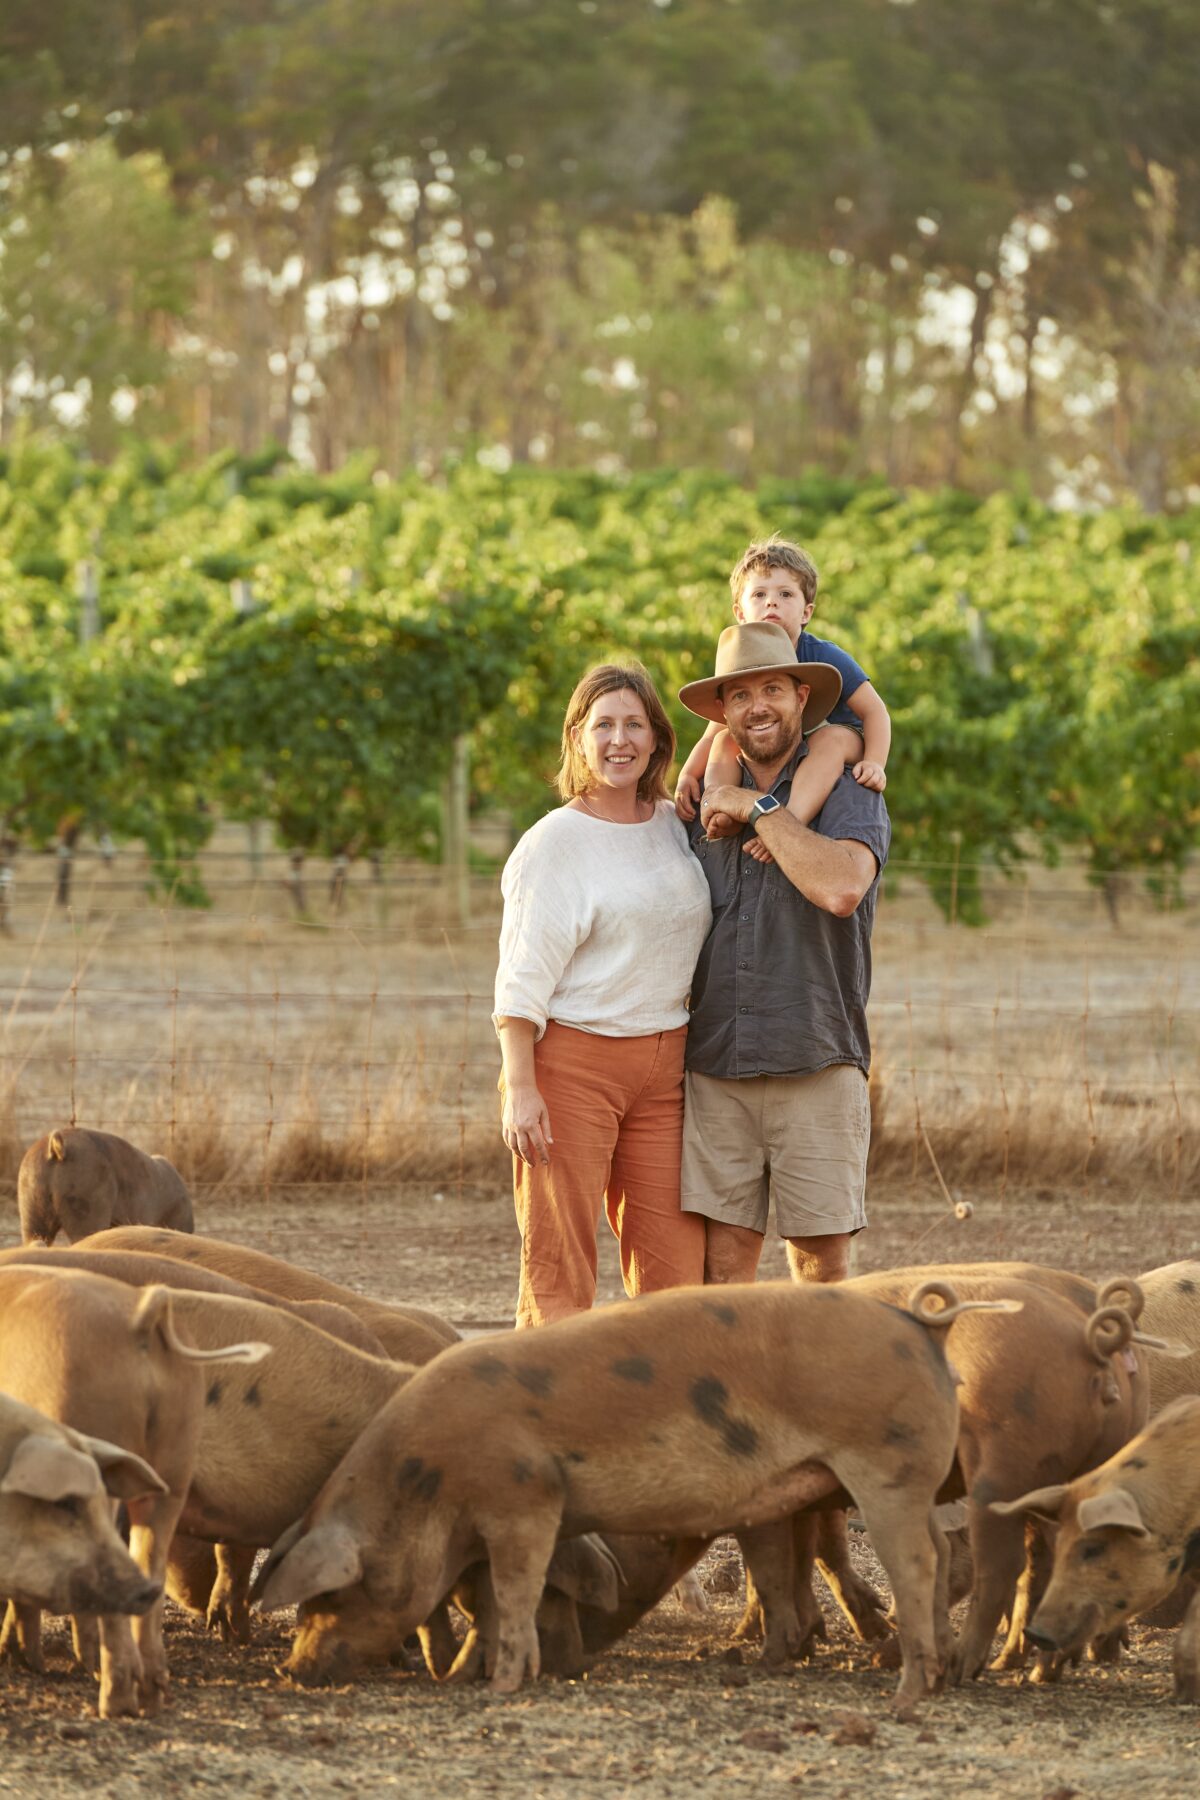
x,y
815,649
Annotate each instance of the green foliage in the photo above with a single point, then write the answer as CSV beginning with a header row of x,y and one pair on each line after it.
x,y
1040,667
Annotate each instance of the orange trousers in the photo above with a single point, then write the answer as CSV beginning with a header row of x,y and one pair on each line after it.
x,y
616,1116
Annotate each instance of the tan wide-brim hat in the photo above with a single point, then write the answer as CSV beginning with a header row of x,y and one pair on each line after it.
x,y
763,650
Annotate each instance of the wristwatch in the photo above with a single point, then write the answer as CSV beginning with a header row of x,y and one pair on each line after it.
x,y
766,803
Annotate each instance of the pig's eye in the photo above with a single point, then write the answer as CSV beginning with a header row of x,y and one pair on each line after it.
x,y
1089,1552
70,1506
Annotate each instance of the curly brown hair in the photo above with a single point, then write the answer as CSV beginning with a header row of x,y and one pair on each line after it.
x,y
573,776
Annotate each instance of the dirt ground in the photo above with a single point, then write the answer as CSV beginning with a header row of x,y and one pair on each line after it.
x,y
672,1711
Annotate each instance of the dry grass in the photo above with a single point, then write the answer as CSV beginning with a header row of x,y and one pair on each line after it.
x,y
1047,1052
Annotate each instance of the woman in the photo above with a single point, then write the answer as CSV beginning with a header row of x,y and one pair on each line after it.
x,y
605,910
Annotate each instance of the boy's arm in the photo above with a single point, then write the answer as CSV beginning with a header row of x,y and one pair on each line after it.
x,y
690,785
834,873
866,704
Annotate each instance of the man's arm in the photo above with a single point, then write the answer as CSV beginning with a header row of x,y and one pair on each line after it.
x,y
834,873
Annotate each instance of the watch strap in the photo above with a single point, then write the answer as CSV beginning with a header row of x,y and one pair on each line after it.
x,y
766,803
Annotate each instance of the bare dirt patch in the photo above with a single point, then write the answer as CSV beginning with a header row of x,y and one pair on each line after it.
x,y
671,1711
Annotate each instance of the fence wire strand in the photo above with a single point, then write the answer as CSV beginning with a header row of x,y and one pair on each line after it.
x,y
260,1051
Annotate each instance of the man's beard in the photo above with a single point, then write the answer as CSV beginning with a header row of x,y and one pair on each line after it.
x,y
769,747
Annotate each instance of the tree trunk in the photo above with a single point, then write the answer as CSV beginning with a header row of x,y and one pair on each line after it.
x,y
296,884
964,387
1029,392
68,837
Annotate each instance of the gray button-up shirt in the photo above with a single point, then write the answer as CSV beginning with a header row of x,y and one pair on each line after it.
x,y
781,985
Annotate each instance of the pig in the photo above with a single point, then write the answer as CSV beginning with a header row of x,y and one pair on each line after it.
x,y
408,1333
143,1270
685,1413
78,1182
1172,1310
59,1547
106,1359
1057,1396
796,1620
597,1588
1125,1534
205,1579
268,1436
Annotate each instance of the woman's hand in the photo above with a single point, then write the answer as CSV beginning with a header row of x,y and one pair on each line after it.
x,y
525,1125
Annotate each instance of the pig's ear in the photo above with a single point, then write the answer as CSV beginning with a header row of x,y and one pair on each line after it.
x,y
1043,1501
48,1468
279,1549
585,1569
322,1561
1116,1506
56,1150
125,1475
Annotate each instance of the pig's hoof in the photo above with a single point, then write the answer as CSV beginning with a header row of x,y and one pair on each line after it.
x,y
468,1664
230,1623
750,1625
887,1655
865,1609
20,1656
153,1686
871,1625
118,1701
1187,1687
1047,1669
1011,1657
1107,1649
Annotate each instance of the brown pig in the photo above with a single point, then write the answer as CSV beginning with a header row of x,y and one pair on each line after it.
x,y
597,1589
207,1579
408,1333
106,1359
58,1545
681,1414
1055,1396
136,1269
1126,1532
1172,1310
267,1436
78,1181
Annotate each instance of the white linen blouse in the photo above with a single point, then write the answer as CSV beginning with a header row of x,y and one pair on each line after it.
x,y
602,924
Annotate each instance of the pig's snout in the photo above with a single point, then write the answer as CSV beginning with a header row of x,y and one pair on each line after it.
x,y
143,1596
320,1663
114,1595
1040,1637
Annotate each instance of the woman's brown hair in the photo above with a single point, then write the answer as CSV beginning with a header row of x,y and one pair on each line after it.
x,y
574,777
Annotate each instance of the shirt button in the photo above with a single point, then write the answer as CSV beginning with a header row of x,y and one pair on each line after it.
x,y
743,965
744,917
743,1009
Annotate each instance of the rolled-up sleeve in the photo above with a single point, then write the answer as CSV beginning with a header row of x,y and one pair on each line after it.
x,y
542,928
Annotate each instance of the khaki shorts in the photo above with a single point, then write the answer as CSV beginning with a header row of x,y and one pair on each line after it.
x,y
799,1140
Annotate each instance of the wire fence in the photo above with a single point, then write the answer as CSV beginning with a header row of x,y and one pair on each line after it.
x,y
258,1049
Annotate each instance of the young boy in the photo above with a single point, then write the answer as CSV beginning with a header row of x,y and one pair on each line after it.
x,y
777,581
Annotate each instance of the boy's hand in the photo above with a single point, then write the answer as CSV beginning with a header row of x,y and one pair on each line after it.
x,y
870,775
758,850
687,795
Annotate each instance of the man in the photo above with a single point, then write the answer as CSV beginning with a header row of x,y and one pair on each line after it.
x,y
777,1054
